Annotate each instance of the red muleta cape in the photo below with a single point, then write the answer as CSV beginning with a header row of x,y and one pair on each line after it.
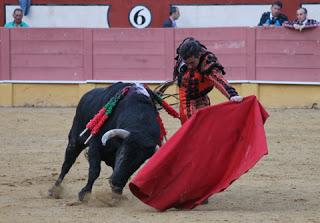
x,y
212,149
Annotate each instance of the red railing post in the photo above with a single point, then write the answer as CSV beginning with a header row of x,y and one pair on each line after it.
x,y
87,54
5,54
251,54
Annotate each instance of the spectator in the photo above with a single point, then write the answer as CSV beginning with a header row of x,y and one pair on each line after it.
x,y
302,21
174,15
273,18
17,22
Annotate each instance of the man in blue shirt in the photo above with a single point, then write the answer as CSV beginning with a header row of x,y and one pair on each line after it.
x,y
273,18
17,22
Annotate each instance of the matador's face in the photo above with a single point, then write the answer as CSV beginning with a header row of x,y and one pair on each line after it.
x,y
192,62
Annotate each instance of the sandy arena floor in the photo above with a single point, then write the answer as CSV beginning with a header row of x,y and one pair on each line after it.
x,y
283,187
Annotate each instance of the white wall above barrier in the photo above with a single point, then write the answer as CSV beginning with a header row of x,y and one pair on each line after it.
x,y
71,16
220,15
313,11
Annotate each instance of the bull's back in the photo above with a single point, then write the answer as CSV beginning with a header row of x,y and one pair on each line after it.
x,y
90,104
94,100
135,113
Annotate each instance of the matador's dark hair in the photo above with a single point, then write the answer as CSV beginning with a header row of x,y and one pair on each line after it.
x,y
190,47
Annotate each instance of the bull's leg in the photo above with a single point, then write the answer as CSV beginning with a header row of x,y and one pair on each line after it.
x,y
72,152
94,171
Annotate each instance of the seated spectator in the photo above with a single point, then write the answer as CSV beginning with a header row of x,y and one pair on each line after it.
x,y
17,22
302,21
273,18
174,15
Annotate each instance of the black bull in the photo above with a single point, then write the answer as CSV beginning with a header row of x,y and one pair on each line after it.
x,y
134,135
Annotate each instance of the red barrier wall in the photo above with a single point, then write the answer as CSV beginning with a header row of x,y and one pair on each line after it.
x,y
47,54
1,44
4,54
229,44
131,54
288,55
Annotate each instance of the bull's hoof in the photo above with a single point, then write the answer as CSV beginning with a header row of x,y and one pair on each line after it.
x,y
115,200
55,192
115,189
84,196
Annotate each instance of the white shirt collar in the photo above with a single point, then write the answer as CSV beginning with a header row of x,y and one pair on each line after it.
x,y
305,21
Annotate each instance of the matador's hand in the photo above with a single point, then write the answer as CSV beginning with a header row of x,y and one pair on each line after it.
x,y
236,99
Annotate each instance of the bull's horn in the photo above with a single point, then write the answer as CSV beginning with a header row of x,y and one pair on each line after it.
x,y
114,133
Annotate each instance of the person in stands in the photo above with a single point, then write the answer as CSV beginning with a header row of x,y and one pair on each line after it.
x,y
17,22
274,18
173,16
302,21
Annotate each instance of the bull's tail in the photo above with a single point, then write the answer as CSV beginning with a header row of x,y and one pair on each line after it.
x,y
121,133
